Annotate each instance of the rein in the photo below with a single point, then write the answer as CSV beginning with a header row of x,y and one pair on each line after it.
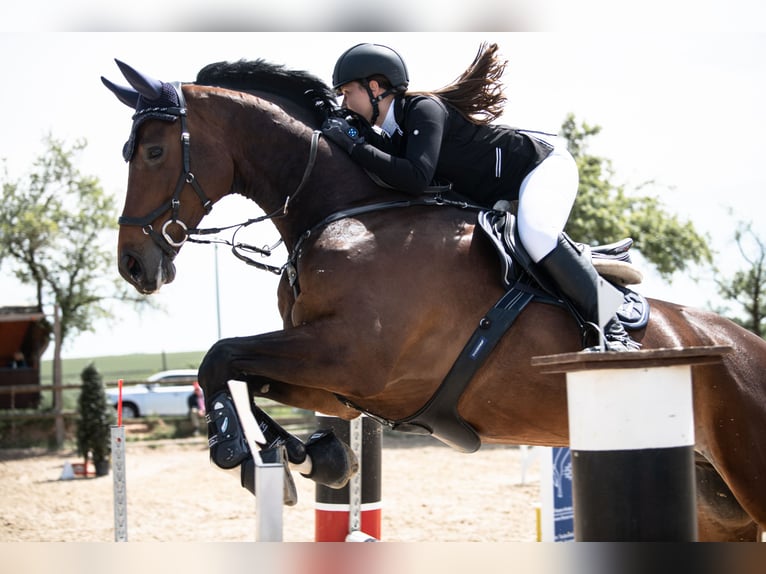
x,y
238,248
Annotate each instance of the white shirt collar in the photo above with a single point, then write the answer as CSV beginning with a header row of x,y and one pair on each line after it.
x,y
389,124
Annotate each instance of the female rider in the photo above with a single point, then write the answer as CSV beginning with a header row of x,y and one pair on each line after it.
x,y
448,135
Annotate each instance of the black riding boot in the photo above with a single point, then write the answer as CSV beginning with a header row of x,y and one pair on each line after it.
x,y
577,279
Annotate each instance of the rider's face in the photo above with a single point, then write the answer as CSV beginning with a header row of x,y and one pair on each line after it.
x,y
356,99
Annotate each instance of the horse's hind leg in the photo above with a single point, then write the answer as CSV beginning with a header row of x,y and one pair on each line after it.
x,y
720,518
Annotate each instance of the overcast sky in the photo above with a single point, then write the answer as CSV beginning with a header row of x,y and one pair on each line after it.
x,y
684,109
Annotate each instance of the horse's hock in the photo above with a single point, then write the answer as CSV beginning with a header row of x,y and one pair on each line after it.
x,y
631,431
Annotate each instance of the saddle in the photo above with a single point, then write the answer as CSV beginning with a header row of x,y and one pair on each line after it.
x,y
612,262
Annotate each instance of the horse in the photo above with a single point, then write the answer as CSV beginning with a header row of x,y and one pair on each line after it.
x,y
381,290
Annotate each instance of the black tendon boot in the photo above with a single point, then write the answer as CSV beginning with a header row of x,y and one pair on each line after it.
x,y
229,448
227,443
577,279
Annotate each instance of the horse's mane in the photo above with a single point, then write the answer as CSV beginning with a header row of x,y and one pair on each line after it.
x,y
303,89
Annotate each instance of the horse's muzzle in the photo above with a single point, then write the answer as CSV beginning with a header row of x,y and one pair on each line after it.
x,y
145,276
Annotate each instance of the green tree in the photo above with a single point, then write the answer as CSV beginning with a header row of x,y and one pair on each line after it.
x,y
747,288
55,229
96,415
606,212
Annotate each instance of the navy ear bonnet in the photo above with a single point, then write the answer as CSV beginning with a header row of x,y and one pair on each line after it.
x,y
150,98
167,107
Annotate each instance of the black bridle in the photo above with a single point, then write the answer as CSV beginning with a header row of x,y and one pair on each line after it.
x,y
163,239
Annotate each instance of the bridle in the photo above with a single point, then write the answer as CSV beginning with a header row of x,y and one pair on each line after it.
x,y
163,239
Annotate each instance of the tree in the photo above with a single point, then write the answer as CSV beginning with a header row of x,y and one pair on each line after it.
x,y
605,212
748,288
96,415
54,227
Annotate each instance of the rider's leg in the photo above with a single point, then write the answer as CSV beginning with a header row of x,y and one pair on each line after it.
x,y
546,197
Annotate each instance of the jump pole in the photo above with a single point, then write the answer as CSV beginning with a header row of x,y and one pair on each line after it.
x,y
118,473
352,513
269,470
631,433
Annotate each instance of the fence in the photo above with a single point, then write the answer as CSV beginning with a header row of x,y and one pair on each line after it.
x,y
294,420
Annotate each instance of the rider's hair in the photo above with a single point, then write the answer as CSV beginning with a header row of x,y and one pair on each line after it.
x,y
478,92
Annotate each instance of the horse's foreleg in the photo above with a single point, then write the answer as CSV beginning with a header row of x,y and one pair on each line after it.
x,y
323,458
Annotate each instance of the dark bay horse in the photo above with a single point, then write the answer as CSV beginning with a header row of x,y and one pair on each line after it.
x,y
378,304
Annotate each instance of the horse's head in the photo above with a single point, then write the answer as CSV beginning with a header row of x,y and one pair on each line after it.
x,y
164,198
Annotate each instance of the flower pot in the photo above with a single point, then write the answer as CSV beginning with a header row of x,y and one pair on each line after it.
x,y
102,467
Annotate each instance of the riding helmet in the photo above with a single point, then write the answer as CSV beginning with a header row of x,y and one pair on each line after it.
x,y
365,60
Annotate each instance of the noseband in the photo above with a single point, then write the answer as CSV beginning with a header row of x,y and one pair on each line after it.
x,y
163,239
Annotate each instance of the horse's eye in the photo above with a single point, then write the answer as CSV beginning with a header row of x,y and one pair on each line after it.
x,y
154,152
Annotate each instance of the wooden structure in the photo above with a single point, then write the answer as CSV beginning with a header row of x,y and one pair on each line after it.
x,y
23,330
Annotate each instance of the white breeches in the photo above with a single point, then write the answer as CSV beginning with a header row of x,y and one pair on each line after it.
x,y
546,197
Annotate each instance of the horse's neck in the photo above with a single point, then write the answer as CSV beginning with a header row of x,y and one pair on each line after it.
x,y
273,167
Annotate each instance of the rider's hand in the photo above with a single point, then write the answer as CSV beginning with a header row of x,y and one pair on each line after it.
x,y
340,131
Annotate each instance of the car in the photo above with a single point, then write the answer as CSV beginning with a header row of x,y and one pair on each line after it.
x,y
156,396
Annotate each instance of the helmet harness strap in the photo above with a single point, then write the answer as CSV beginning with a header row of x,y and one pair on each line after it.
x,y
375,99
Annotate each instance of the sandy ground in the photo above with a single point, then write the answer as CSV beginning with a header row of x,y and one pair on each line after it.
x,y
430,494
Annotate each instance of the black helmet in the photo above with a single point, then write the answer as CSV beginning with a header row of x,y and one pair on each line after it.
x,y
365,60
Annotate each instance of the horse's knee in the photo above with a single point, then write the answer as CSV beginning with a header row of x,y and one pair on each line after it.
x,y
214,368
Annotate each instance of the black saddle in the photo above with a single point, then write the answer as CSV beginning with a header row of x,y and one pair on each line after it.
x,y
500,227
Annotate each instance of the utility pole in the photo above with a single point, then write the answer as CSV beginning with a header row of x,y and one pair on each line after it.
x,y
58,395
217,292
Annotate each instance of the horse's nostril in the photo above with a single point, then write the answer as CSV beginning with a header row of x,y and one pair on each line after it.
x,y
130,267
134,267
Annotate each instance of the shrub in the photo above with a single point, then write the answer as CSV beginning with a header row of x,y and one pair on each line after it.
x,y
96,416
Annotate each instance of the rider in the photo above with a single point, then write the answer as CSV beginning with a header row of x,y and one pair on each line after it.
x,y
447,135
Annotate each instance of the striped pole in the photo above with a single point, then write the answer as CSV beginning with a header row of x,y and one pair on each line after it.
x,y
119,487
117,433
631,433
353,512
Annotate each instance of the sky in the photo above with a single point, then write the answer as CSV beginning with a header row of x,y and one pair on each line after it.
x,y
683,109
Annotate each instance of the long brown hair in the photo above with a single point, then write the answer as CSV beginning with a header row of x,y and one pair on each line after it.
x,y
478,92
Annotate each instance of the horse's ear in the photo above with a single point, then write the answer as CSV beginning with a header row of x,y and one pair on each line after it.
x,y
148,87
127,96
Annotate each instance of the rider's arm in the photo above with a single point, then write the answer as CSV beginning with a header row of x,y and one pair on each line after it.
x,y
412,168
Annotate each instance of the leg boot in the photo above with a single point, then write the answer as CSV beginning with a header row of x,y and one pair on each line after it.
x,y
577,280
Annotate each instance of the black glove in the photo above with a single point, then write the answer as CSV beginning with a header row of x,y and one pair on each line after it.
x,y
340,131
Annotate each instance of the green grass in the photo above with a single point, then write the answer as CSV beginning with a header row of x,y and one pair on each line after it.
x,y
129,368
126,367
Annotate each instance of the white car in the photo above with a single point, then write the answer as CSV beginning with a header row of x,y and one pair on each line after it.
x,y
156,397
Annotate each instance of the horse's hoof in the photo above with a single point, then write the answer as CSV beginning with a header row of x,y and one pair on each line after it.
x,y
290,493
333,463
